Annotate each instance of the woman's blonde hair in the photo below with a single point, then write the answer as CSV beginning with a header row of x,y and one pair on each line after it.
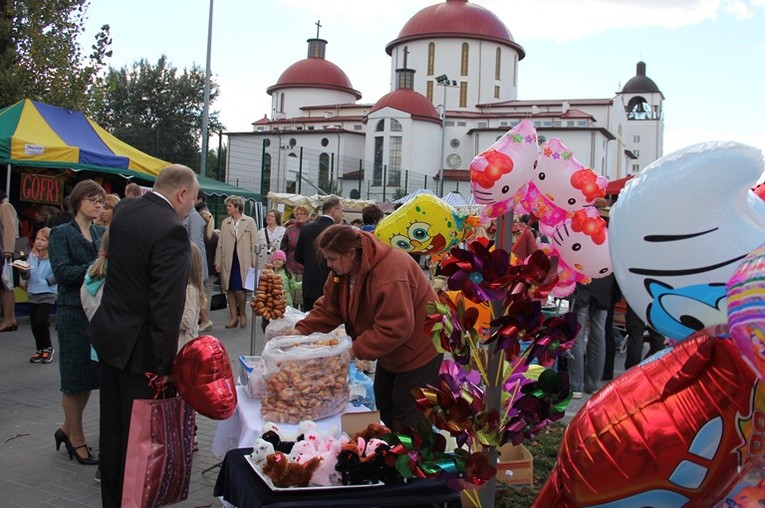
x,y
98,268
209,223
196,274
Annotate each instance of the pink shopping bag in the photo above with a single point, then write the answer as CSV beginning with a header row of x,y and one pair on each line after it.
x,y
159,452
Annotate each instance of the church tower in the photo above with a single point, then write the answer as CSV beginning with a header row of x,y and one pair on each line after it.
x,y
644,131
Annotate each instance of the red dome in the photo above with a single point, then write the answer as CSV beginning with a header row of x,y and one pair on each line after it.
x,y
455,18
411,102
314,73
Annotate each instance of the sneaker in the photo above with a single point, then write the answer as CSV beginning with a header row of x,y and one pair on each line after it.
x,y
47,355
37,357
576,395
205,327
98,475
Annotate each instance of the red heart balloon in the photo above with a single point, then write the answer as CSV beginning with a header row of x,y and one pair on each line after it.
x,y
202,374
674,431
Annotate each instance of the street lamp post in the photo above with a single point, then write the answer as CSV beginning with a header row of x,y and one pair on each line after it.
x,y
206,106
443,81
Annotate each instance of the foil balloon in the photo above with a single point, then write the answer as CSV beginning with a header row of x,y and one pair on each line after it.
x,y
679,429
497,173
202,374
749,492
425,224
581,245
679,231
746,309
560,185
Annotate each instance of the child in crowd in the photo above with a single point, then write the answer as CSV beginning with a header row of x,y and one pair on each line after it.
x,y
195,299
42,291
290,285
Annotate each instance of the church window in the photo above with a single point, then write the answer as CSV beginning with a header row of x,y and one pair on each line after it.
x,y
324,172
498,64
380,126
394,160
265,179
463,94
395,125
636,138
515,70
496,91
639,109
431,58
429,90
378,161
281,103
464,59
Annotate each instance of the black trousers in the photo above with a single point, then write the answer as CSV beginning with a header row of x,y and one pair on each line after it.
x,y
635,330
393,392
39,319
118,391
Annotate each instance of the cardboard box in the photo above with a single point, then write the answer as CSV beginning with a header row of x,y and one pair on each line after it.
x,y
515,465
351,423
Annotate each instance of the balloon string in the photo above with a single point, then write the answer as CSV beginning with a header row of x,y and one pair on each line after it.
x,y
472,495
500,362
474,354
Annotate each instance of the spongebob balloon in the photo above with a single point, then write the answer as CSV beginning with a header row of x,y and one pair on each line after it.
x,y
424,225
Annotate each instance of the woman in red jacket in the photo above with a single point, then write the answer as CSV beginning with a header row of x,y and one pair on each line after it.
x,y
380,294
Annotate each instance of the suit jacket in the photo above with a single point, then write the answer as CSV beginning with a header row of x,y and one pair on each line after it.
x,y
315,269
136,327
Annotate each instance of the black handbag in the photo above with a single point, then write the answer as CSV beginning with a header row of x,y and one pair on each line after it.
x,y
21,248
218,302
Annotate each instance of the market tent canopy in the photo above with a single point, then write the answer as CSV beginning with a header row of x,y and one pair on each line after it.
x,y
315,200
35,134
616,186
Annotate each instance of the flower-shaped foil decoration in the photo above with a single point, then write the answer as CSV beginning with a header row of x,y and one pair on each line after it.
x,y
554,339
451,406
477,272
451,326
521,322
543,402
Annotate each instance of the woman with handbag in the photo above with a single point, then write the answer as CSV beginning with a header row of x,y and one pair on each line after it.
x,y
234,257
269,237
73,247
9,223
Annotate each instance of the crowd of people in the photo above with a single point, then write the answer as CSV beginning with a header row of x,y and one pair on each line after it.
x,y
132,279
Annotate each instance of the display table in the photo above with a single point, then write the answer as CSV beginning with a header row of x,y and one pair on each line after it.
x,y
240,486
243,428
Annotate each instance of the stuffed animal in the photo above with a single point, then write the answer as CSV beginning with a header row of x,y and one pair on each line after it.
x,y
271,434
284,473
373,430
302,451
326,475
260,450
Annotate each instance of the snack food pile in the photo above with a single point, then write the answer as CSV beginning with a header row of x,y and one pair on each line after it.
x,y
269,301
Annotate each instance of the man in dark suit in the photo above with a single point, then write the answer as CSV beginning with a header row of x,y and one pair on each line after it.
x,y
315,270
135,330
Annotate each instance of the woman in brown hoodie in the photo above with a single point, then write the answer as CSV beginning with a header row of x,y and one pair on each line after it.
x,y
380,294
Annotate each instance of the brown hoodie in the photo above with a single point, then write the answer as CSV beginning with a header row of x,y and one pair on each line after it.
x,y
384,312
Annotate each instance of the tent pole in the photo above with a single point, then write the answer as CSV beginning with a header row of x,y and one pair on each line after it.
x,y
8,181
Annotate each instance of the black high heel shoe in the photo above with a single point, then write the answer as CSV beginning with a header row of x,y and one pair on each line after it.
x,y
60,437
90,460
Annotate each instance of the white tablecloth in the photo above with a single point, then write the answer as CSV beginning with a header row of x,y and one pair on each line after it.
x,y
243,428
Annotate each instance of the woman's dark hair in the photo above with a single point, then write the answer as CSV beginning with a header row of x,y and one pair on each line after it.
x,y
83,190
339,238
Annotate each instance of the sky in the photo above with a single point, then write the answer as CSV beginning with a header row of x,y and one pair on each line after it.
x,y
706,56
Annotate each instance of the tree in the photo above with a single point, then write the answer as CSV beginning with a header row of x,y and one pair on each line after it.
x,y
216,163
40,53
156,108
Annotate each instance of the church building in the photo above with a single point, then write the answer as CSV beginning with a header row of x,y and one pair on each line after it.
x,y
454,75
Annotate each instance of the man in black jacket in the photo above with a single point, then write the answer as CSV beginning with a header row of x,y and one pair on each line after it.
x,y
315,270
135,330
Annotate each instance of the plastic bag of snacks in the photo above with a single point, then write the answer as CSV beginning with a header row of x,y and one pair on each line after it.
x,y
252,376
288,321
306,377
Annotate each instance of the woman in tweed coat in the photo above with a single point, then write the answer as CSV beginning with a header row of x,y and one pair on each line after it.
x,y
73,247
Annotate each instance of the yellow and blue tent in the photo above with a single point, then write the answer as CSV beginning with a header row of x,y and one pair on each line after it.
x,y
35,134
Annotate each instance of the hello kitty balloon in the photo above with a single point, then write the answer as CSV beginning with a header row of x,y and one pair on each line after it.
x,y
497,173
560,185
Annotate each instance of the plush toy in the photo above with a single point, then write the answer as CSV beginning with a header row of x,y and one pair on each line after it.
x,y
302,452
326,475
284,473
260,450
360,463
373,430
274,435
